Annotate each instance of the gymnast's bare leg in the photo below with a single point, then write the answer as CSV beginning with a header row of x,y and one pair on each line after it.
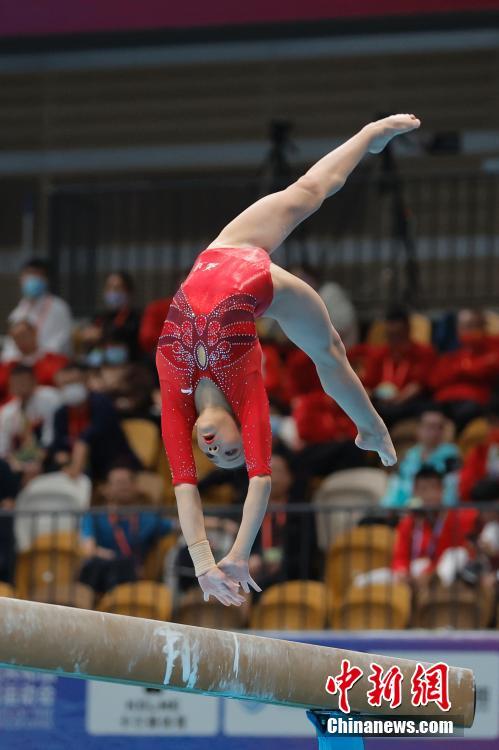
x,y
296,306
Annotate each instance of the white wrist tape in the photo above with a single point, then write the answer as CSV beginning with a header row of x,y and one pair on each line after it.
x,y
202,557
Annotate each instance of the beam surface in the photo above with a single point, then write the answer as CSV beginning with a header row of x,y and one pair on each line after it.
x,y
95,645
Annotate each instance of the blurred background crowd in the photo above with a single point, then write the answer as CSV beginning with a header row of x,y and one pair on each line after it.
x,y
128,139
80,421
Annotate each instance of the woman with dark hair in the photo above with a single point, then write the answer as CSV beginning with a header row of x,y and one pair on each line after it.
x,y
119,322
209,358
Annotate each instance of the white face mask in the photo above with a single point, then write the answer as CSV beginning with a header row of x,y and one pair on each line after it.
x,y
74,394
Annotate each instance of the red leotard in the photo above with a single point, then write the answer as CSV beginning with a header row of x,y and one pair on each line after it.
x,y
210,333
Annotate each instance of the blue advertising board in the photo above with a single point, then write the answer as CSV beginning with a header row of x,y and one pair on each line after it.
x,y
44,712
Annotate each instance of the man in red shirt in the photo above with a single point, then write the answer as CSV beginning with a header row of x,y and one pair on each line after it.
x,y
479,478
44,365
396,373
424,535
463,379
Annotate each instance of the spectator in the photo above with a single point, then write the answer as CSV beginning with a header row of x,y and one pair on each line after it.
x,y
479,480
26,423
45,364
49,314
119,322
430,450
130,385
114,544
151,324
397,373
427,533
9,487
286,546
87,432
463,379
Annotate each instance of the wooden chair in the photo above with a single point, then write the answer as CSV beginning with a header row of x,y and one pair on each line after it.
x,y
473,434
144,439
155,558
374,607
68,595
52,560
193,610
458,606
349,487
357,551
420,326
7,590
293,605
145,599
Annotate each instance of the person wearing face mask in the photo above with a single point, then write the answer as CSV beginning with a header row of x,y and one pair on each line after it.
x,y
396,373
88,437
129,384
49,314
463,379
119,322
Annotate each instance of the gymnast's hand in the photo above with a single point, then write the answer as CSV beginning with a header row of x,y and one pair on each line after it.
x,y
238,570
378,440
217,583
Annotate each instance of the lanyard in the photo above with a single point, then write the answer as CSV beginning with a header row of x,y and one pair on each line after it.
x,y
395,373
418,539
268,530
119,534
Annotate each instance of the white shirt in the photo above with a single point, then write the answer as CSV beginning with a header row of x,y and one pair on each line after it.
x,y
40,408
52,318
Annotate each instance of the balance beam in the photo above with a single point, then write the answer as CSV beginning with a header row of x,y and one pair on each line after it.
x,y
133,651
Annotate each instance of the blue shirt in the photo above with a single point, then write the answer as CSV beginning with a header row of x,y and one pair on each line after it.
x,y
401,485
140,535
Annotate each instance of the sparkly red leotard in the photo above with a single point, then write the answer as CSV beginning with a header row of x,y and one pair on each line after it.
x,y
210,333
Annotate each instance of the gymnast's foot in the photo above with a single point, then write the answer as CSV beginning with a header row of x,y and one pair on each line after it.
x,y
386,129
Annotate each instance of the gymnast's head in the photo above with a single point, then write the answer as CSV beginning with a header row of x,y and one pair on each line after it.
x,y
219,438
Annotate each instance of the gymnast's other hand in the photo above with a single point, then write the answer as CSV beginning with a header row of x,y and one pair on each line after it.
x,y
378,440
217,583
238,570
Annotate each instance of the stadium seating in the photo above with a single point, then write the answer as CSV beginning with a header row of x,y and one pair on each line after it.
x,y
140,599
374,607
144,439
53,560
193,610
293,605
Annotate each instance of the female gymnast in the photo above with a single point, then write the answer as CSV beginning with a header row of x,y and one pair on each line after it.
x,y
209,357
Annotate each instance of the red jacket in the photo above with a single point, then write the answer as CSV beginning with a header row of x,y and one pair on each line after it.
x,y
151,324
475,466
411,366
301,374
319,419
450,530
272,371
467,374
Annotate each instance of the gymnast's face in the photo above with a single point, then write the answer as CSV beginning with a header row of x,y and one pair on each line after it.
x,y
220,439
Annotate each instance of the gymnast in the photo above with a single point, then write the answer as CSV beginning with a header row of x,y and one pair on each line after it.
x,y
209,357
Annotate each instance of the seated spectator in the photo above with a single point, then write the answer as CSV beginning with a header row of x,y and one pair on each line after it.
x,y
114,544
26,423
430,450
479,480
462,380
286,545
128,384
49,314
44,364
151,324
87,433
119,322
427,533
9,487
396,373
